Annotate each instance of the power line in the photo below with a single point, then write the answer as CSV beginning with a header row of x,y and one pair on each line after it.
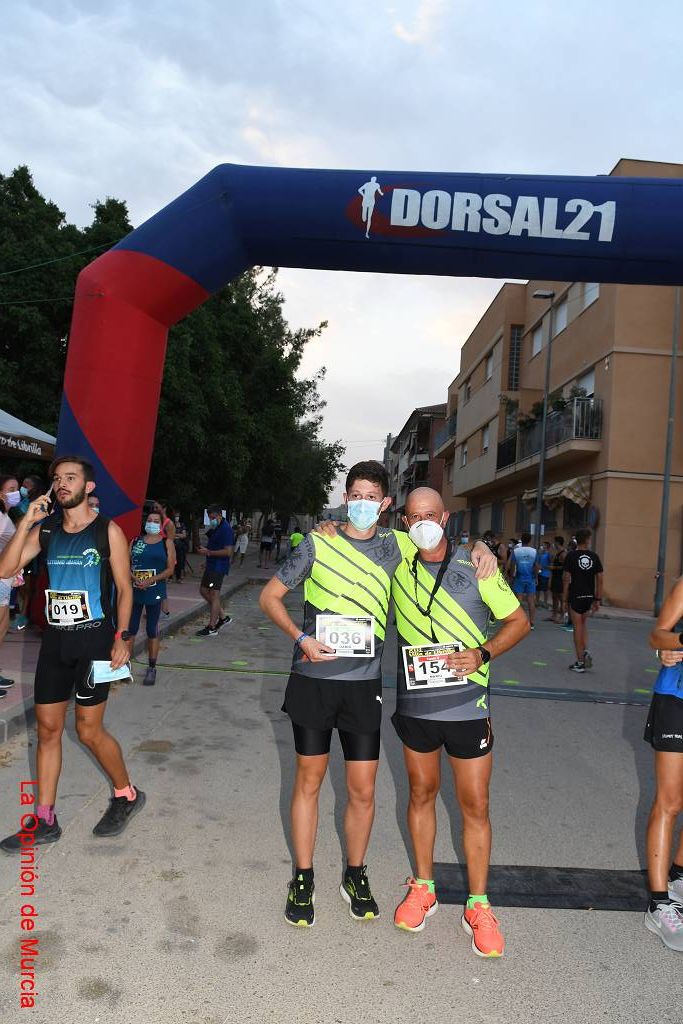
x,y
59,259
28,302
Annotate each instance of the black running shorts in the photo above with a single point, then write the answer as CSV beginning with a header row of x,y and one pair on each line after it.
x,y
580,605
461,739
212,580
65,659
349,705
664,728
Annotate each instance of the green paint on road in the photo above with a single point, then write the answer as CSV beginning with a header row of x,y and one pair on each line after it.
x,y
642,691
543,664
563,650
652,671
511,682
239,662
216,668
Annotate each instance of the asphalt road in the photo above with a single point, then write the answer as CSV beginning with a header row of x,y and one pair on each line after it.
x,y
180,919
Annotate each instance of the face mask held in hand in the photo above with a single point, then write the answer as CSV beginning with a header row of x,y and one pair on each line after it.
x,y
363,514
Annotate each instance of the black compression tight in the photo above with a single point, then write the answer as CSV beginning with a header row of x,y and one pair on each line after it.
x,y
357,746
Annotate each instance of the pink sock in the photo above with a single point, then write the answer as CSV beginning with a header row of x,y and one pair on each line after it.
x,y
127,791
46,812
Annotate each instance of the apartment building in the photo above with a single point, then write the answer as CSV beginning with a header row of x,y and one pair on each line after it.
x,y
606,430
410,459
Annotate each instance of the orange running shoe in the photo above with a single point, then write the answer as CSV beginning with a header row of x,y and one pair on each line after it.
x,y
482,924
419,903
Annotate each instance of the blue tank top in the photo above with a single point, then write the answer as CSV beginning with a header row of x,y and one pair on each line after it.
x,y
670,681
145,558
75,564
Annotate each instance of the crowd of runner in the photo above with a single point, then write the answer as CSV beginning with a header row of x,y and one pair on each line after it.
x,y
445,593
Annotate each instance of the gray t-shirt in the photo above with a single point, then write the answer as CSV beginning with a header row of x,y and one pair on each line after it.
x,y
477,601
383,550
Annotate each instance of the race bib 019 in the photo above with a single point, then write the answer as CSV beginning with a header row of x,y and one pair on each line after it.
x,y
67,607
427,667
350,636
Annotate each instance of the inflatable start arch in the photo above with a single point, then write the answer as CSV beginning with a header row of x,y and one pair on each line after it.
x,y
627,230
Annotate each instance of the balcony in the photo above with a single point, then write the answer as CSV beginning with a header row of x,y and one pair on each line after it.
x,y
445,437
577,428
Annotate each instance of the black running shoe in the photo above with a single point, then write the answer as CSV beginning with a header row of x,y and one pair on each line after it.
x,y
207,631
44,833
118,814
355,889
225,621
300,906
6,683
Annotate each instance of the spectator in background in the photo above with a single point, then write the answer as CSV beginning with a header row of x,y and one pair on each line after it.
x,y
152,561
168,531
181,545
218,551
31,488
544,561
11,498
556,586
7,531
524,565
242,540
582,580
277,535
93,502
266,548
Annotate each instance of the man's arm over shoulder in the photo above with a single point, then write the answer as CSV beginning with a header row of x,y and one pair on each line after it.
x,y
297,567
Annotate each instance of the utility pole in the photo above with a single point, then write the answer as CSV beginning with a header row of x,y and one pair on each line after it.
x,y
666,485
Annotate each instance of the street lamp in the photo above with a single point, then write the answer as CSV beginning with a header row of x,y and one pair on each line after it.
x,y
550,296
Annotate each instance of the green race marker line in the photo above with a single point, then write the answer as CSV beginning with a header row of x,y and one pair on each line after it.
x,y
646,692
240,663
511,682
543,664
562,650
652,671
215,668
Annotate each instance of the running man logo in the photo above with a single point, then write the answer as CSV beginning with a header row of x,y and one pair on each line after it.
x,y
413,212
91,557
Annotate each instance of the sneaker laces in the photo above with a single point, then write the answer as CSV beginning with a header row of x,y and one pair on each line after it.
x,y
672,914
302,891
416,895
482,917
361,884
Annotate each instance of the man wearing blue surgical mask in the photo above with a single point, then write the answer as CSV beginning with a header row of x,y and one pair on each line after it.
x,y
218,552
336,683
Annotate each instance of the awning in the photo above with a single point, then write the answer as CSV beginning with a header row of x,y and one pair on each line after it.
x,y
21,440
577,490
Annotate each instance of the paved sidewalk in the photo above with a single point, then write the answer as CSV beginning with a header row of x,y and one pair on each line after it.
x,y
19,652
180,920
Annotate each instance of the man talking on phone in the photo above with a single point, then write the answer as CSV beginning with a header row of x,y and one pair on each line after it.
x,y
89,592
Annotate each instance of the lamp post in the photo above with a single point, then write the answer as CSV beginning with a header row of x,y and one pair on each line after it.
x,y
666,483
550,296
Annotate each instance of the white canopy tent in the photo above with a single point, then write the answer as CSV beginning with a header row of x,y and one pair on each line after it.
x,y
21,440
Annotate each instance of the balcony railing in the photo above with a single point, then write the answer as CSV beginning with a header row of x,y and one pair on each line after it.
x,y
580,420
447,431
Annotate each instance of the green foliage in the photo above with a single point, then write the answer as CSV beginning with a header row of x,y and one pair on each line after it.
x,y
236,424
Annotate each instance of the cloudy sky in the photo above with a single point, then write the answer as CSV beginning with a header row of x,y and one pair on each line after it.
x,y
138,100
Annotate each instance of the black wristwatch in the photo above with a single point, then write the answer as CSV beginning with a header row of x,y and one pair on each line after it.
x,y
680,638
126,635
485,655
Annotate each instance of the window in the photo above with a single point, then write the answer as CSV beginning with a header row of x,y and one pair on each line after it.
x,y
449,471
513,363
497,517
488,367
511,411
591,292
485,439
560,318
537,340
463,455
468,389
474,521
587,382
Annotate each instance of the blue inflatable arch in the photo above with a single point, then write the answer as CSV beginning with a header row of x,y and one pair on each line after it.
x,y
616,229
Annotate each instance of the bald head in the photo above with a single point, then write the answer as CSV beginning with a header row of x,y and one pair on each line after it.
x,y
424,503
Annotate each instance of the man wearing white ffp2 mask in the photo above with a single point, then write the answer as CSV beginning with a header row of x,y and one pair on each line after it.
x,y
442,616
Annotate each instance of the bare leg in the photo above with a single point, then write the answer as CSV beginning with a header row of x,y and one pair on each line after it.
x,y
310,772
424,777
578,621
531,602
360,808
660,827
93,735
50,726
472,777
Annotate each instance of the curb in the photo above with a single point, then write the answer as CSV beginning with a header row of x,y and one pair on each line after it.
x,y
23,715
